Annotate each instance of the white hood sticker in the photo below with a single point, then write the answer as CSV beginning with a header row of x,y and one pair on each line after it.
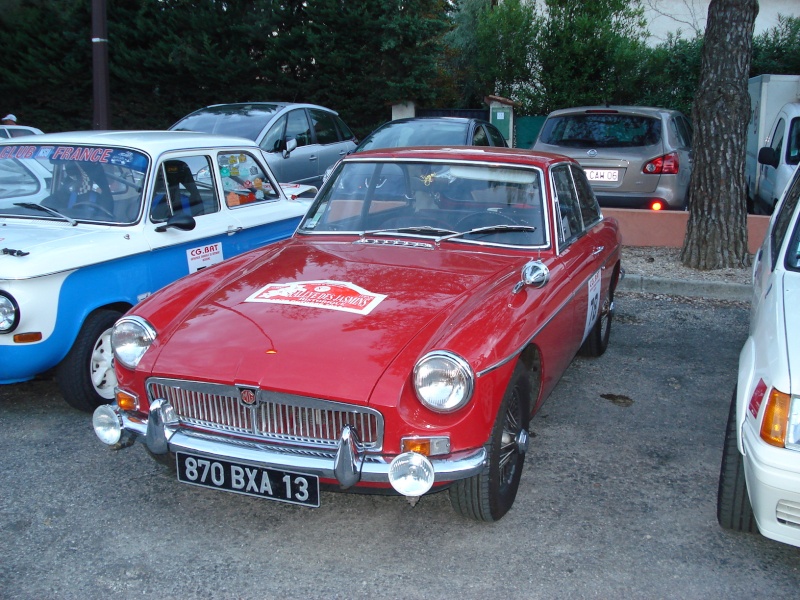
x,y
331,295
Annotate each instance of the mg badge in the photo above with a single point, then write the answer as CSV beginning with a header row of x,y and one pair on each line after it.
x,y
247,396
592,153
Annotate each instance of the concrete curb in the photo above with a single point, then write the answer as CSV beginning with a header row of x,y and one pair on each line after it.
x,y
716,290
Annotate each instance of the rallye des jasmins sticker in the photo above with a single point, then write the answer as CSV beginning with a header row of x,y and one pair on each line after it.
x,y
331,295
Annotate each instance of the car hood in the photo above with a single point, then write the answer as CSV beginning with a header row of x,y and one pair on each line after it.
x,y
324,319
41,248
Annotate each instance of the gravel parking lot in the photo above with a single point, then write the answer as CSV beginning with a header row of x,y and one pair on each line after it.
x,y
617,500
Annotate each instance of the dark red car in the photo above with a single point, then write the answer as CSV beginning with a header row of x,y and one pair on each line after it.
x,y
402,338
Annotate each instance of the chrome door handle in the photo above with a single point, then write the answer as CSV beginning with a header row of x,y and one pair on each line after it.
x,y
598,250
232,229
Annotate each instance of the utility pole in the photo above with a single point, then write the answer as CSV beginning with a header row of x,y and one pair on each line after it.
x,y
102,98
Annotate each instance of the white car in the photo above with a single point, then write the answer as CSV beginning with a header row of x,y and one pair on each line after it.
x,y
15,131
91,223
759,485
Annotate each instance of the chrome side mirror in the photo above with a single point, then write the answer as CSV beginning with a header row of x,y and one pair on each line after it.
x,y
535,274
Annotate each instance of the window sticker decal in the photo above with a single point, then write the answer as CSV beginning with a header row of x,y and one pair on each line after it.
x,y
326,294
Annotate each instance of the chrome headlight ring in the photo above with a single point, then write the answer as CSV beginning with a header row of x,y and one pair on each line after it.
x,y
443,381
9,313
130,339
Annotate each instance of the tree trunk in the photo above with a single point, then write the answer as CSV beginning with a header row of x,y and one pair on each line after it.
x,y
716,236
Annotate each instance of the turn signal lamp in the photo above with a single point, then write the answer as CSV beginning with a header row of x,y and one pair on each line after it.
x,y
669,164
27,338
427,446
775,423
126,401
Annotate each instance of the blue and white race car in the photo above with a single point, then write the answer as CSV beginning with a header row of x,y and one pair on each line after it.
x,y
93,222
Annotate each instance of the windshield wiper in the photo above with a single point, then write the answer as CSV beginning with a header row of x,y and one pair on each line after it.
x,y
491,229
47,209
425,229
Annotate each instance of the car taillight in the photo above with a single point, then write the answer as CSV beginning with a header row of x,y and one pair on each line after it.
x,y
663,165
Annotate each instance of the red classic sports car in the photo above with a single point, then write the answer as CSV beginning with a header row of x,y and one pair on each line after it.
x,y
400,341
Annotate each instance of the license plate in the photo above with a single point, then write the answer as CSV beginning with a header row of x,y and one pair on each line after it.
x,y
602,174
273,484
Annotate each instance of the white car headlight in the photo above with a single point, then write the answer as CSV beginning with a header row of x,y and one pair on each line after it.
x,y
443,381
9,313
130,339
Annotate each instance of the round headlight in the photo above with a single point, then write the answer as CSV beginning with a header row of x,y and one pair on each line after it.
x,y
411,474
443,381
107,425
130,339
9,313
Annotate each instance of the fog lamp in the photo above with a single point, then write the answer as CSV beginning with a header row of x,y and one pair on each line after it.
x,y
107,424
411,474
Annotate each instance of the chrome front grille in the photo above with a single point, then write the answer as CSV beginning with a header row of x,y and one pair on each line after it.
x,y
274,417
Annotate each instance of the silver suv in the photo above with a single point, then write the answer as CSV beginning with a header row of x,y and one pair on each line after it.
x,y
633,156
300,141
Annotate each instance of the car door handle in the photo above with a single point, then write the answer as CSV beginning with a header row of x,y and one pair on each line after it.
x,y
598,250
312,157
233,229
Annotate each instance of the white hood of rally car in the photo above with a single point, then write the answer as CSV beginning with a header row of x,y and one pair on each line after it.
x,y
36,248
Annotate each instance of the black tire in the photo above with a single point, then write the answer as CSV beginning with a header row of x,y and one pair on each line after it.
x,y
733,502
596,342
86,375
489,495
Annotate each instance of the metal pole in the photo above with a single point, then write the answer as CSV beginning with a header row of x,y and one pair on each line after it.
x,y
100,65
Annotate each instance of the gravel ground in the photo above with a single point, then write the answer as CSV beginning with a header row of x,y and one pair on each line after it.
x,y
665,262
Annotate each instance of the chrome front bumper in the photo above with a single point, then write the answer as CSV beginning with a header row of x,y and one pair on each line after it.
x,y
162,434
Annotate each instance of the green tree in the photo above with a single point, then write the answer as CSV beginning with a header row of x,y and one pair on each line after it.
x,y
778,49
504,36
370,53
669,74
588,52
44,78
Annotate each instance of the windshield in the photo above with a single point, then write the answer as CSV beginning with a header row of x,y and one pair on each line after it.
x,y
71,183
417,133
480,203
601,131
240,120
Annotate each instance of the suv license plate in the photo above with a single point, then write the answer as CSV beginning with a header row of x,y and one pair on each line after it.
x,y
273,484
602,174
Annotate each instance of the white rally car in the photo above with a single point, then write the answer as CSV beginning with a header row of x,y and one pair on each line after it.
x,y
759,485
93,222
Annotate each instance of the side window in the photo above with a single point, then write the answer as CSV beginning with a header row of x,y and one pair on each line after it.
x,y
244,180
496,137
793,147
274,140
776,143
344,130
569,219
324,126
297,127
784,218
479,138
183,186
590,210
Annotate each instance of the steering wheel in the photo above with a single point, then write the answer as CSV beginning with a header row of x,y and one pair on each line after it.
x,y
484,219
96,207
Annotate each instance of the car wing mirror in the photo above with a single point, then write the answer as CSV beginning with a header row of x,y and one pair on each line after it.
x,y
291,144
768,156
183,222
534,274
